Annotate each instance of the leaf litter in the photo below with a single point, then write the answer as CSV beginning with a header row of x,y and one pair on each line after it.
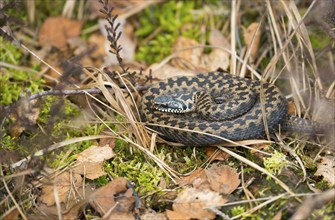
x,y
90,161
209,186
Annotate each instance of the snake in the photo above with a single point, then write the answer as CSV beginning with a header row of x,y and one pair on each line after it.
x,y
215,107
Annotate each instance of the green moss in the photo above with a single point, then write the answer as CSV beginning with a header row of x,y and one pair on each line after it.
x,y
276,163
169,19
13,82
7,142
237,210
135,167
319,39
322,185
103,180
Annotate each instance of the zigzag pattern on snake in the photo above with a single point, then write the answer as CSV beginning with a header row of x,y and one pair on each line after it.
x,y
218,103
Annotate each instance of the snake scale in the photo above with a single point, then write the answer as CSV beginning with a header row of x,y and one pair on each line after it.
x,y
183,108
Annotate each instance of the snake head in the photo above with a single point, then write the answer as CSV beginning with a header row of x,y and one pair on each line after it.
x,y
178,103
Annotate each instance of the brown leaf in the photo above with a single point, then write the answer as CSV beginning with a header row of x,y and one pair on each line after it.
x,y
197,175
249,34
222,179
215,154
120,216
327,169
189,58
110,142
74,211
292,109
25,115
191,204
90,161
116,196
14,214
99,54
167,71
258,147
61,184
218,58
149,215
55,31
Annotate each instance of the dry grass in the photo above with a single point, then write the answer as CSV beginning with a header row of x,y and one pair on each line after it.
x,y
293,59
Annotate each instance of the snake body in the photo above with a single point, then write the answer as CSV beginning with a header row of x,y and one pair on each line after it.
x,y
240,116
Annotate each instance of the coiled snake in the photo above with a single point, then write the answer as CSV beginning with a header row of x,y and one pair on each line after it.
x,y
217,103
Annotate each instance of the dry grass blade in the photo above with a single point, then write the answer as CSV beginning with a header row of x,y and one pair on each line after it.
x,y
233,30
283,47
249,50
12,197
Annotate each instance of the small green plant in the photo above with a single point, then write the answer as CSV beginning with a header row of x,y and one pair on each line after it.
x,y
276,163
237,210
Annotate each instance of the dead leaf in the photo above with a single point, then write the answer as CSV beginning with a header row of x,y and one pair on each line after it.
x,y
13,214
215,154
292,109
327,169
218,58
222,179
61,184
116,196
186,58
73,212
99,54
191,203
55,31
161,72
120,216
26,114
256,148
197,177
249,33
110,142
90,161
151,214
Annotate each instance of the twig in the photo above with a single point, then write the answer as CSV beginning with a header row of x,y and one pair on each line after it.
x,y
61,92
65,92
112,33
